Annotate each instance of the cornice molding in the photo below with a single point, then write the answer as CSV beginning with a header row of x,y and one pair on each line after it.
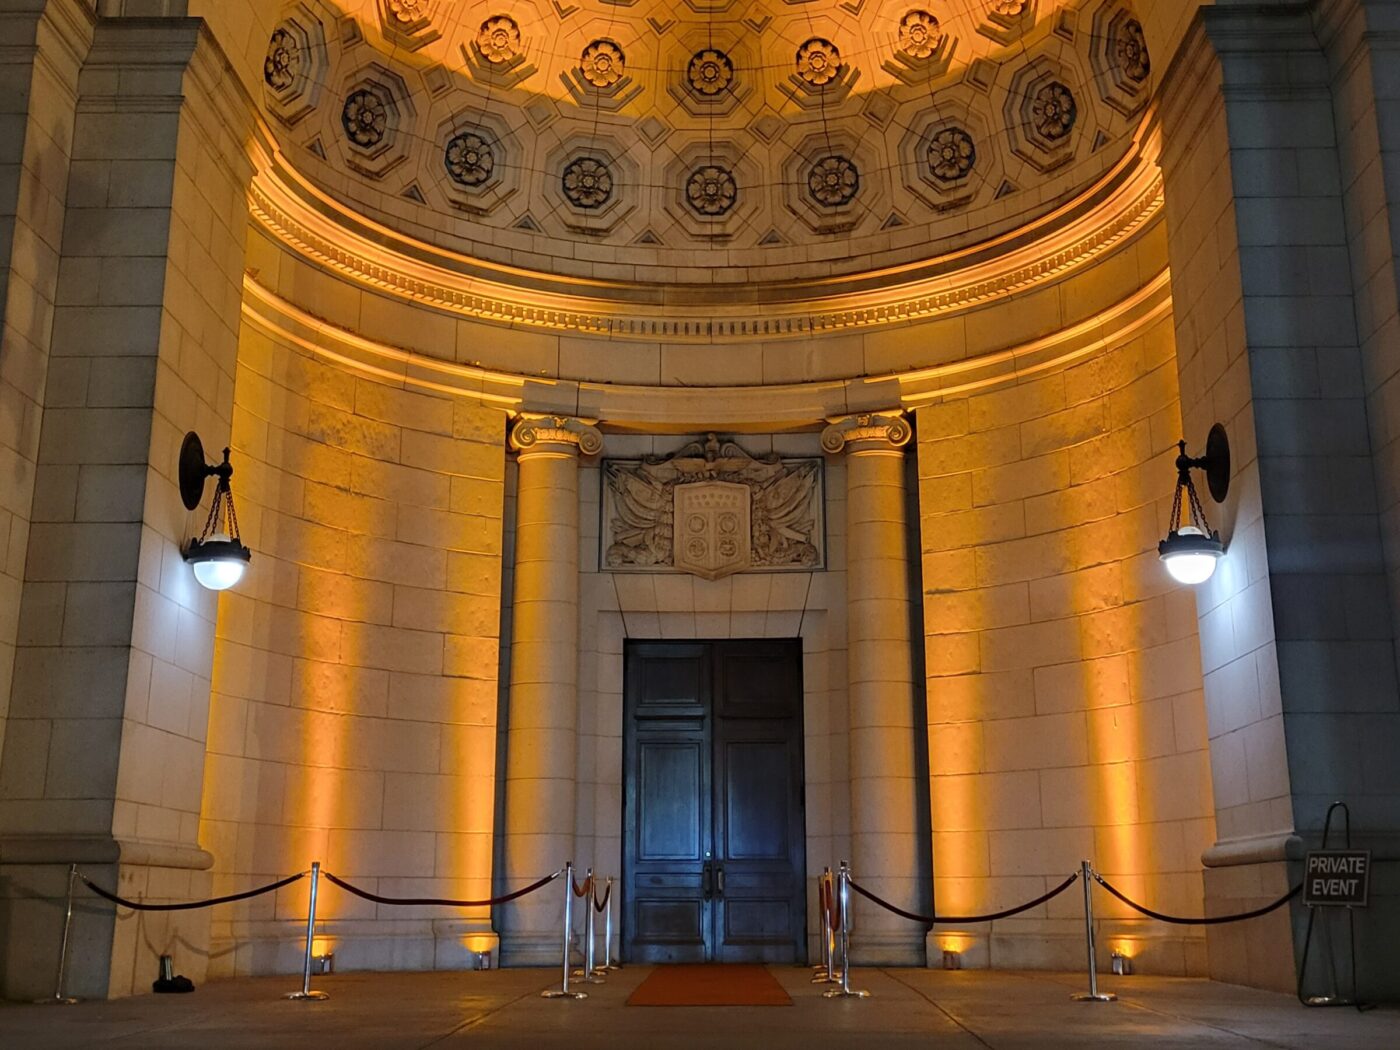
x,y
1073,236
683,409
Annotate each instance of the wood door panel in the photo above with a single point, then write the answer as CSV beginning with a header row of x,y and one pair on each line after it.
x,y
757,920
669,808
755,679
755,793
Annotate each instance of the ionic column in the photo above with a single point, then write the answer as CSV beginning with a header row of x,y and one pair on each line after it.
x,y
885,852
542,722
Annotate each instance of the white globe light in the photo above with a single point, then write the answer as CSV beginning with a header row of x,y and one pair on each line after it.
x,y
1190,555
218,562
219,575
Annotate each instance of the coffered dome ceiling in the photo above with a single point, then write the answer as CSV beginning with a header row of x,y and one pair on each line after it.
x,y
705,141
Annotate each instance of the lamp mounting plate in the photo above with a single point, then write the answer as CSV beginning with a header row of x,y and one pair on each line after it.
x,y
1217,463
193,471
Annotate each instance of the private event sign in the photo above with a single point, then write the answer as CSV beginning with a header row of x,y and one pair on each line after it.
x,y
1337,878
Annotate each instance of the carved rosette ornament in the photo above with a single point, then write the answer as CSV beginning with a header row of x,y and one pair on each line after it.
x,y
833,181
869,431
602,63
406,11
533,433
587,182
469,159
919,34
818,61
364,118
282,62
1131,51
1008,8
711,190
498,39
1054,111
710,72
951,155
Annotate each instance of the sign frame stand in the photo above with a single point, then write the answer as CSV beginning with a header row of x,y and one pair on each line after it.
x,y
1336,998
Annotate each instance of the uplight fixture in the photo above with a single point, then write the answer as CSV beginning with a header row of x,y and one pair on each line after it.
x,y
218,557
1192,547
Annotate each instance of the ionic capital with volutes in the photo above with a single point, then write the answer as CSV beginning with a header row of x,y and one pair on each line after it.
x,y
867,432
555,434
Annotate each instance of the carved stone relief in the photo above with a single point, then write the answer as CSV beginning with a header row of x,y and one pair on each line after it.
x,y
711,509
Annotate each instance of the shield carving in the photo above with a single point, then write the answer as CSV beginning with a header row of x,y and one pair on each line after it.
x,y
711,528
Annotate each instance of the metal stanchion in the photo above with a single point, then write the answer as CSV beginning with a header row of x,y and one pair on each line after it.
x,y
306,993
826,972
1086,876
590,973
564,992
843,906
608,930
58,998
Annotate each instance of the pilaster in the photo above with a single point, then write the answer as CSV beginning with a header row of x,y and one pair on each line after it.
x,y
1296,628
103,763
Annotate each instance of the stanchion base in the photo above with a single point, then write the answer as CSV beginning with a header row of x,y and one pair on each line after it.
x,y
307,996
822,978
556,993
588,978
842,993
1329,1000
1094,997
58,1000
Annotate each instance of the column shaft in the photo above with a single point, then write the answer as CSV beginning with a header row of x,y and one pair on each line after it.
x,y
885,839
541,747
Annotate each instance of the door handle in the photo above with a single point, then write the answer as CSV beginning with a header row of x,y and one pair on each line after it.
x,y
719,881
706,881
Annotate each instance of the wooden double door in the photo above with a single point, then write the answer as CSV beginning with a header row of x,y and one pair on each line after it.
x,y
714,851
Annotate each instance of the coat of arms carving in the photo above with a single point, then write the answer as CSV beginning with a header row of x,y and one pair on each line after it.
x,y
712,509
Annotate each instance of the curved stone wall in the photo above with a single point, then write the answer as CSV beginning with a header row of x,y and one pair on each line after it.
x,y
355,673
1066,713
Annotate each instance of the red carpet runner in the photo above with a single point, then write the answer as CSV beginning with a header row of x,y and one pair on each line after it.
x,y
714,985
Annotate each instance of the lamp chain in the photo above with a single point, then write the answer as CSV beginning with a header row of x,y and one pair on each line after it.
x,y
221,510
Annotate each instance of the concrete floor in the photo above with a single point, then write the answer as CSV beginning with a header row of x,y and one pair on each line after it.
x,y
910,1008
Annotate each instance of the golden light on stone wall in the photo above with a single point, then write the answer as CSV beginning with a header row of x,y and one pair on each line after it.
x,y
1063,691
355,696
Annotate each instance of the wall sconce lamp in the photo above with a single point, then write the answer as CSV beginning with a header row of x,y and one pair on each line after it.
x,y
1192,548
218,556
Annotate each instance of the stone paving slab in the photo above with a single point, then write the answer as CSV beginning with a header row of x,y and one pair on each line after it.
x,y
501,1010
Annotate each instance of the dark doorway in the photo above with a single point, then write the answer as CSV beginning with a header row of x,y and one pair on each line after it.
x,y
713,829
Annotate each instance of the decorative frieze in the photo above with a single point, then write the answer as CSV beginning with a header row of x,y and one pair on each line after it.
x,y
711,509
